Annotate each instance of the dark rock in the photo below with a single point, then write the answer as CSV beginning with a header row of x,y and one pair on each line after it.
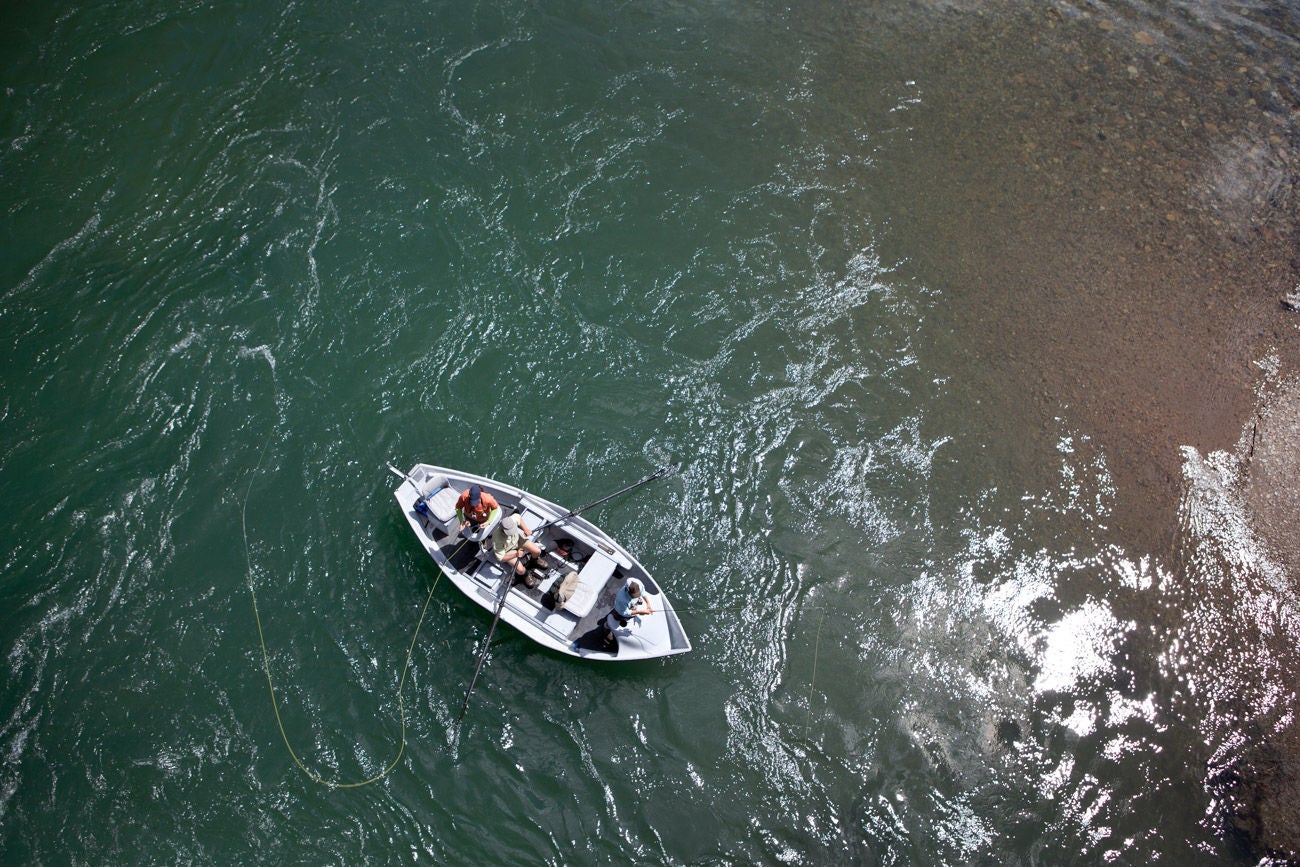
x,y
1008,732
1266,798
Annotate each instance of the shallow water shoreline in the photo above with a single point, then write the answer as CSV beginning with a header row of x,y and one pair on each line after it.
x,y
1128,278
1002,275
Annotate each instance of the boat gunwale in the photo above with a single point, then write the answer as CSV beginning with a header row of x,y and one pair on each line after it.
x,y
520,610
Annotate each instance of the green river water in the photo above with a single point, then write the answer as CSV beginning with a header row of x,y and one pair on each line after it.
x,y
253,251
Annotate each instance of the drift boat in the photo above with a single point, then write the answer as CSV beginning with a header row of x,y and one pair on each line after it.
x,y
577,627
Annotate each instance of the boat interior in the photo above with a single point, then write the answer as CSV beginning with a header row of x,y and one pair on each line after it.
x,y
572,546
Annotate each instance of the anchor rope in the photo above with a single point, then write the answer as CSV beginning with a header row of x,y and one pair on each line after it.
x,y
266,662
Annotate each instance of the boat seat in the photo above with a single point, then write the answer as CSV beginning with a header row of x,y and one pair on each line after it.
x,y
482,532
591,580
441,498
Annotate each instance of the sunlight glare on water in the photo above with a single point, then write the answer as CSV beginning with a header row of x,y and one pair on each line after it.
x,y
255,252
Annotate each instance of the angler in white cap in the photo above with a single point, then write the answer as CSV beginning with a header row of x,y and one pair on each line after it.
x,y
630,602
510,542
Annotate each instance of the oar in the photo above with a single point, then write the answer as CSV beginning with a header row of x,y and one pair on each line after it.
x,y
419,493
506,581
510,574
657,474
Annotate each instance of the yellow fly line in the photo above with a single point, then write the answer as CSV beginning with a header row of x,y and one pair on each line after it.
x,y
270,684
401,707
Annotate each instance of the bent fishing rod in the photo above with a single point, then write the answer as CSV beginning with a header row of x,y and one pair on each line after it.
x,y
508,578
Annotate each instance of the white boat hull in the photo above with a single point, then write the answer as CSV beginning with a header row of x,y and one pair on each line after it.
x,y
580,628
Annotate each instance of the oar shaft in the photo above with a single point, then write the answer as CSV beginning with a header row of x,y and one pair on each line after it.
x,y
657,474
509,577
487,642
419,493
660,473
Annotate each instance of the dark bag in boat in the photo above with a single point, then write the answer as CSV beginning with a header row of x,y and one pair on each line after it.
x,y
422,508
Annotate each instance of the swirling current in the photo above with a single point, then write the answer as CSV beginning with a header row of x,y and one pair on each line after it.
x,y
255,251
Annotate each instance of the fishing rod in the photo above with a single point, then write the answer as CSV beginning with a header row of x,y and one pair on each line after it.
x,y
508,578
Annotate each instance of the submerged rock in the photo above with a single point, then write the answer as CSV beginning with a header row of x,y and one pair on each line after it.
x,y
1267,798
1266,790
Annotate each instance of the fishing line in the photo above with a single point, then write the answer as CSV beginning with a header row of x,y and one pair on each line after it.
x,y
817,646
266,662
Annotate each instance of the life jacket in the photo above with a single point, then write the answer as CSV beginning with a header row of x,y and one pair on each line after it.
x,y
480,513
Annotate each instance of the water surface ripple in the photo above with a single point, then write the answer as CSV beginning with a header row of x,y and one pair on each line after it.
x,y
255,251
